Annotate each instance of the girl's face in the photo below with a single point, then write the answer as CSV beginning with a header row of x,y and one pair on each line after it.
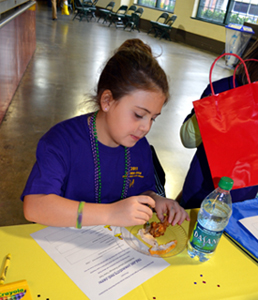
x,y
130,118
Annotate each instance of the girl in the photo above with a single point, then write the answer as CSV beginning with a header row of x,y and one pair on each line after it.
x,y
97,169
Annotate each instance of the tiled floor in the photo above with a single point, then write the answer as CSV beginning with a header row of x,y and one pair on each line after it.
x,y
63,70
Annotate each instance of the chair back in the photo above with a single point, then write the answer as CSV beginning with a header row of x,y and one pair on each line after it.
x,y
110,6
171,20
163,18
78,4
135,19
132,8
90,3
122,9
139,11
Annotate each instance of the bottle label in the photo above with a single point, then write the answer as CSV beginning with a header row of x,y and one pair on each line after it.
x,y
203,239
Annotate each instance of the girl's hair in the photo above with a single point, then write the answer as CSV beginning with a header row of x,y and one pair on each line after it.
x,y
252,65
131,68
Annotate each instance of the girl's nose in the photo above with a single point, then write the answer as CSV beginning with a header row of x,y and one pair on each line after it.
x,y
146,125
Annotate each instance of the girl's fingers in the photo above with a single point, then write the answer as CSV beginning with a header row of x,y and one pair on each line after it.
x,y
176,219
146,200
171,215
177,215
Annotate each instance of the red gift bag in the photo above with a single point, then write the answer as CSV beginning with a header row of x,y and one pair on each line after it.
x,y
228,125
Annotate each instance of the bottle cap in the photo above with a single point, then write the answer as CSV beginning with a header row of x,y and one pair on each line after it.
x,y
226,183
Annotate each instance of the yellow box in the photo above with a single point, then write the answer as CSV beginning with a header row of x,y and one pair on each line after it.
x,y
15,291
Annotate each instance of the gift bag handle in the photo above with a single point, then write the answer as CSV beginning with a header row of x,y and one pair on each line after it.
x,y
234,75
219,57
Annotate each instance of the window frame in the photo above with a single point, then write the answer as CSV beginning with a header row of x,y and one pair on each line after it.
x,y
157,2
228,12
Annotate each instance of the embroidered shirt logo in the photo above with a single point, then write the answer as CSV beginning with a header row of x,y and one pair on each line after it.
x,y
134,172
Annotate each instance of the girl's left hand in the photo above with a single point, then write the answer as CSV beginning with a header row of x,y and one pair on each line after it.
x,y
176,213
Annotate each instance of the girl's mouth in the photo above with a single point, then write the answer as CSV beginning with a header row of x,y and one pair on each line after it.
x,y
136,138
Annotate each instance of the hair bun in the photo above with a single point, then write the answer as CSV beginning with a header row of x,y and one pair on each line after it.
x,y
135,45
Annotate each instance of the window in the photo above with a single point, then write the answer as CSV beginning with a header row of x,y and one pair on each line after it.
x,y
167,5
228,11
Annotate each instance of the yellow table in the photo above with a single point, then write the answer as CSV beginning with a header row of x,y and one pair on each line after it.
x,y
230,274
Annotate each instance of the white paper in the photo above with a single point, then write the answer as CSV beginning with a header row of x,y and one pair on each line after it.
x,y
251,224
101,264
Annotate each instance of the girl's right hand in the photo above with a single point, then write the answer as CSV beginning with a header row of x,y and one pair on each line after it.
x,y
131,211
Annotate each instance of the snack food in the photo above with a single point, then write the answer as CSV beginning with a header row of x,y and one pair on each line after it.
x,y
163,249
158,229
150,232
147,237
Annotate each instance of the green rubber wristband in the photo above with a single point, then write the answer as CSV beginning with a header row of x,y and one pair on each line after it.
x,y
79,215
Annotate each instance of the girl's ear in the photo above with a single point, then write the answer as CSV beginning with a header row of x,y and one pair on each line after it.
x,y
106,100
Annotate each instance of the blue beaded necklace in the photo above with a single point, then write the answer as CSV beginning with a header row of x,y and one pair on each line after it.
x,y
97,169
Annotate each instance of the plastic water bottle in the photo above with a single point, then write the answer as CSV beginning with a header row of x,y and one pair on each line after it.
x,y
212,218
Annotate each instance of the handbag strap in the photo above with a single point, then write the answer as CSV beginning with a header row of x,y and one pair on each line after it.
x,y
234,75
219,57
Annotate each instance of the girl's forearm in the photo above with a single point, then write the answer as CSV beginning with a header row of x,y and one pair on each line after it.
x,y
53,210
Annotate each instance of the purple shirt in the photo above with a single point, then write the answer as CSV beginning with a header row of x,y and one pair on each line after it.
x,y
65,165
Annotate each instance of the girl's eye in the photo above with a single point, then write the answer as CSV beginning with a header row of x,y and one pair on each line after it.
x,y
138,116
153,119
